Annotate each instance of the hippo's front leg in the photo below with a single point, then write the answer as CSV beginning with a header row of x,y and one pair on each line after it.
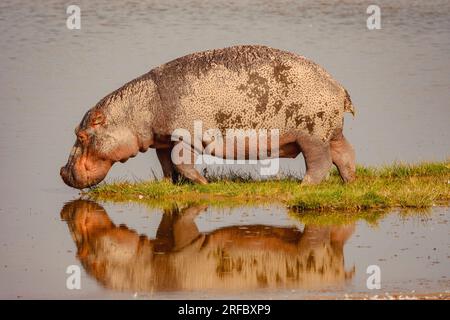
x,y
167,166
184,165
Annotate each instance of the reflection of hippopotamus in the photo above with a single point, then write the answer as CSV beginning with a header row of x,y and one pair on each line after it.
x,y
182,258
241,87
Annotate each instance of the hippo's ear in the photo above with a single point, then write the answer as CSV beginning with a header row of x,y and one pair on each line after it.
x,y
97,119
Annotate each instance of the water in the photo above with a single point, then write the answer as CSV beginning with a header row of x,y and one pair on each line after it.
x,y
397,78
203,251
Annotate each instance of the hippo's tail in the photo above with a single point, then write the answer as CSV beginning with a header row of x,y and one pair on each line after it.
x,y
348,105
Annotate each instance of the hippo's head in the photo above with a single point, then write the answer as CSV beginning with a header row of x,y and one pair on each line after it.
x,y
116,129
100,143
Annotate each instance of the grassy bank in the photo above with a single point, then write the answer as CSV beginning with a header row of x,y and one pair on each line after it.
x,y
400,185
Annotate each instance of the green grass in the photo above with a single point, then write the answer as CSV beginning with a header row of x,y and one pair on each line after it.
x,y
336,218
399,185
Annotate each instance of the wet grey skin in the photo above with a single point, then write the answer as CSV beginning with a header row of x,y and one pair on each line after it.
x,y
240,87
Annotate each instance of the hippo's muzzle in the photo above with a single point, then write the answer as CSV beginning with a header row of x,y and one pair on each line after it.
x,y
68,178
83,170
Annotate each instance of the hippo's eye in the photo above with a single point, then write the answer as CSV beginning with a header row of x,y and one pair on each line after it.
x,y
97,119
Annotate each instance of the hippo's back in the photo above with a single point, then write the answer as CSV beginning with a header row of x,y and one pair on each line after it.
x,y
249,87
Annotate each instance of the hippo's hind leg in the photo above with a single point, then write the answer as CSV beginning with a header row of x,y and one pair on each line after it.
x,y
188,171
343,157
185,165
317,156
167,165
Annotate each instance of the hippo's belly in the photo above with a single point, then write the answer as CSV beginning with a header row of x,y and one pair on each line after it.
x,y
288,96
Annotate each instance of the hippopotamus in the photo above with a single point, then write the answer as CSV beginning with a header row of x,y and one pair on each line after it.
x,y
241,87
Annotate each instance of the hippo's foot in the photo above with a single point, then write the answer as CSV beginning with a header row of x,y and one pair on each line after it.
x,y
189,172
318,161
343,157
177,171
169,171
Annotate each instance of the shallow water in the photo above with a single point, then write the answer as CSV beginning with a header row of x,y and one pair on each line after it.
x,y
397,77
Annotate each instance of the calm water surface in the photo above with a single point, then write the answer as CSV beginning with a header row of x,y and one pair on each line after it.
x,y
399,81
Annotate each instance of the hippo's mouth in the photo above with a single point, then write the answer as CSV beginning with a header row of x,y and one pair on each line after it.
x,y
81,180
69,179
84,171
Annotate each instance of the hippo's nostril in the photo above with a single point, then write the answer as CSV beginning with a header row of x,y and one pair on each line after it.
x,y
63,172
